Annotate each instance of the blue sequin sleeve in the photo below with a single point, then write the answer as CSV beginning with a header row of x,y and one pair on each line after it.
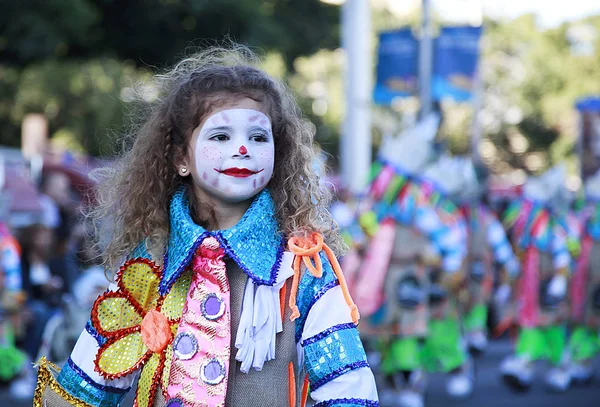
x,y
332,353
346,402
311,289
75,381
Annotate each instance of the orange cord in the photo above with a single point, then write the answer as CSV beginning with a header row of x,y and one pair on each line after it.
x,y
502,326
282,294
305,249
304,392
292,385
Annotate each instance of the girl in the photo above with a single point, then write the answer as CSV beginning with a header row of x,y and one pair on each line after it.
x,y
219,177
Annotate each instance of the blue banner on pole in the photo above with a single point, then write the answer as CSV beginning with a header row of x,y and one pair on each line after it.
x,y
456,56
589,104
588,142
396,66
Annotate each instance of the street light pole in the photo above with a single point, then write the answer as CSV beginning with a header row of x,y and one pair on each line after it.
x,y
355,143
425,58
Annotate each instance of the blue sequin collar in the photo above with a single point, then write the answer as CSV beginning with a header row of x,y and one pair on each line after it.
x,y
255,243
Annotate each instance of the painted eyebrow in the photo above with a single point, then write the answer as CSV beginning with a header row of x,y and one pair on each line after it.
x,y
260,128
219,128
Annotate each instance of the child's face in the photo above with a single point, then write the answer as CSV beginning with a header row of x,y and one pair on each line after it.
x,y
231,153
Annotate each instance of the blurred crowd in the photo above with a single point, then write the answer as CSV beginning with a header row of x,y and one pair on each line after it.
x,y
441,261
50,271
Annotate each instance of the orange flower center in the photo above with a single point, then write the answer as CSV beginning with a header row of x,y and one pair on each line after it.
x,y
156,331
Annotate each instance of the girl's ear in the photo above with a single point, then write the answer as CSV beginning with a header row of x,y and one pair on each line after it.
x,y
180,160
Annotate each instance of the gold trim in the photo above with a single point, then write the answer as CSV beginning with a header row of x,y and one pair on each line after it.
x,y
45,379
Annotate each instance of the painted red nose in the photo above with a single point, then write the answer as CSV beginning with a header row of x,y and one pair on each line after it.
x,y
243,150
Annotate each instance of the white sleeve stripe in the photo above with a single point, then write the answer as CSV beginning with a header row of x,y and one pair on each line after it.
x,y
358,383
323,315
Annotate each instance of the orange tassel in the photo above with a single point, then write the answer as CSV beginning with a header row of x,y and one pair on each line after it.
x,y
292,384
309,248
503,326
304,392
282,294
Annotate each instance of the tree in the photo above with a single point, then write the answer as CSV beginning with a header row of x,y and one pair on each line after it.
x,y
74,60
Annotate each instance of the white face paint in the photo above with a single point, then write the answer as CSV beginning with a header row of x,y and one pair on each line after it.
x,y
234,154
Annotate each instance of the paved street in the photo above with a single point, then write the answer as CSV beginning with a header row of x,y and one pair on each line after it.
x,y
489,392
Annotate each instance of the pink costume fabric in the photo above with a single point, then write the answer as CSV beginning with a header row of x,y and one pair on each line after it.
x,y
201,349
529,308
369,288
580,279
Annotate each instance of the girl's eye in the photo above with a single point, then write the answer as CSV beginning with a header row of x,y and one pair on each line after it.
x,y
220,137
261,138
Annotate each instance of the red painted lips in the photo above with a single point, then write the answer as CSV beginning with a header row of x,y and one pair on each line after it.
x,y
238,172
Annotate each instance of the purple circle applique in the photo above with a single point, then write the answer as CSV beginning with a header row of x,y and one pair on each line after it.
x,y
213,307
212,371
185,345
175,403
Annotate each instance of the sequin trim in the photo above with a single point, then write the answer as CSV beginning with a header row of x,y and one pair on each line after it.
x,y
167,282
255,278
304,312
141,251
347,403
156,379
171,402
46,379
255,243
116,335
88,379
217,379
337,373
185,356
333,355
219,314
90,329
327,332
80,385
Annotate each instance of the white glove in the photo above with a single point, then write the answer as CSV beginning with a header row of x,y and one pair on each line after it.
x,y
558,286
502,295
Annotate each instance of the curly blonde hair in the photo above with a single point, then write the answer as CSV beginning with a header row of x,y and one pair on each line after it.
x,y
134,195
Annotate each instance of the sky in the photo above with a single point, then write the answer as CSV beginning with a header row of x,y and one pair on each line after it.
x,y
550,12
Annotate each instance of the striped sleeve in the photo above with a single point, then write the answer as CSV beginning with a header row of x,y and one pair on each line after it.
x,y
330,345
560,252
501,248
447,241
80,379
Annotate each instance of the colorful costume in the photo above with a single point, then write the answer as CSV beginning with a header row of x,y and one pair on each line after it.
x,y
12,360
488,246
541,234
484,228
584,343
444,348
409,242
210,327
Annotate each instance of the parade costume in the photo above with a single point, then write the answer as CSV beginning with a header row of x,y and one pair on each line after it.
x,y
12,360
584,342
488,246
484,227
392,286
541,235
210,327
444,348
